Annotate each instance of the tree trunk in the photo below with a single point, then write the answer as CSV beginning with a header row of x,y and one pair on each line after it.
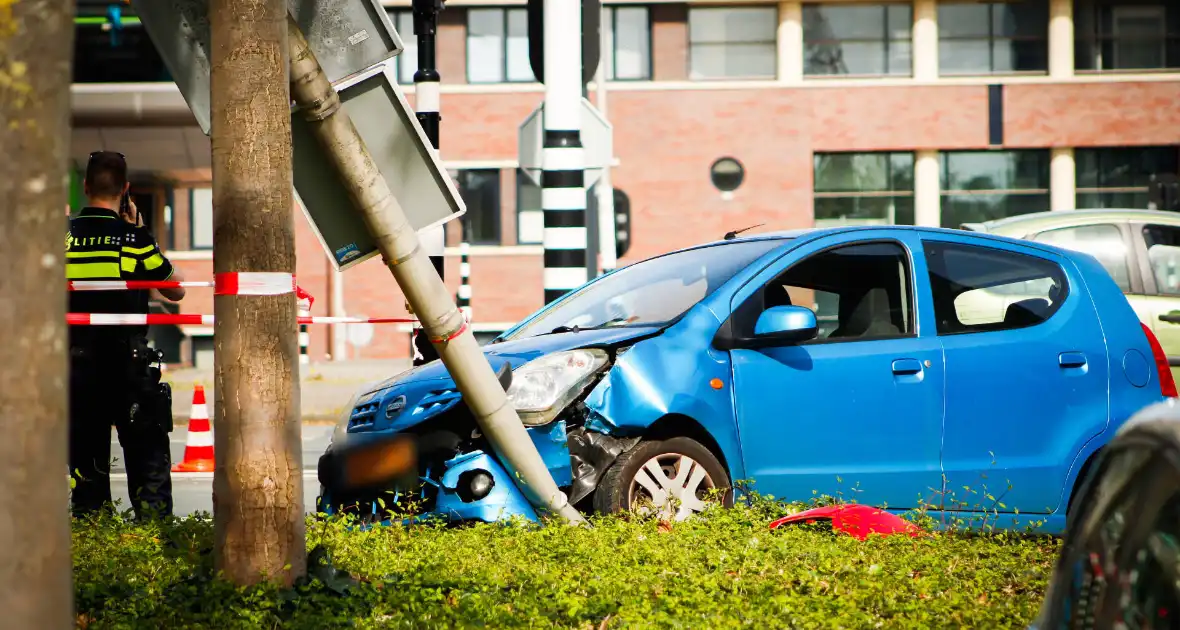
x,y
258,480
36,48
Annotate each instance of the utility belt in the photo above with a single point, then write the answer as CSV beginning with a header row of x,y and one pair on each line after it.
x,y
151,400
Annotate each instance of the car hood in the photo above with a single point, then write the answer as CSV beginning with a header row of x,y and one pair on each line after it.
x,y
413,396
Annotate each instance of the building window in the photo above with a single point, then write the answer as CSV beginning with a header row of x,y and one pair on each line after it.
x,y
629,33
864,189
200,226
732,42
407,61
1118,177
1114,35
498,46
984,185
866,40
103,54
530,218
992,38
480,190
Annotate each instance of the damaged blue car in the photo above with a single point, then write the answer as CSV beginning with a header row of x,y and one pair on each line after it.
x,y
887,365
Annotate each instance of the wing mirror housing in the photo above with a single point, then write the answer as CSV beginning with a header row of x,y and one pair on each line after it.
x,y
776,326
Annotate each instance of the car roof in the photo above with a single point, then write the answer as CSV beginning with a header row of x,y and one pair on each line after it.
x,y
824,231
1025,223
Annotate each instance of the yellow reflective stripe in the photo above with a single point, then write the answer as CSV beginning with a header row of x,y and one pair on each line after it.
x,y
128,264
153,261
101,270
138,251
107,254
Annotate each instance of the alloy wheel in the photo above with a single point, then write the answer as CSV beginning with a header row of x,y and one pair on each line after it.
x,y
672,485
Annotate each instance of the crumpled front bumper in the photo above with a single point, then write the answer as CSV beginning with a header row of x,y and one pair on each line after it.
x,y
445,495
503,501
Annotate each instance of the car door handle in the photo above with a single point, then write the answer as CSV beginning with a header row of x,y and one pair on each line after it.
x,y
907,366
1071,359
1172,317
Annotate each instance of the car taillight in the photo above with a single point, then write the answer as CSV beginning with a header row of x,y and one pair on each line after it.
x,y
1167,383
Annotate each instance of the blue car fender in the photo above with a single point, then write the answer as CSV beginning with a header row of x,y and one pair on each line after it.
x,y
671,378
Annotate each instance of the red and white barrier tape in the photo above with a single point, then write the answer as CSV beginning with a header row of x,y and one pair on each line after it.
x,y
129,285
231,283
253,283
193,319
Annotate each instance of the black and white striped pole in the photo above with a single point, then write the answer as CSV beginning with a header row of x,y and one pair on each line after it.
x,y
563,196
427,101
464,301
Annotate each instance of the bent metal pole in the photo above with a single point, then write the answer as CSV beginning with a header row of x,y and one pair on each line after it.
x,y
424,290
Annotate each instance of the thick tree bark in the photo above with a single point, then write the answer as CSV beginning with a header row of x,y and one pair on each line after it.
x,y
258,480
36,47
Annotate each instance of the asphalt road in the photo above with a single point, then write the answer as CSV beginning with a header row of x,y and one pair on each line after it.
x,y
193,492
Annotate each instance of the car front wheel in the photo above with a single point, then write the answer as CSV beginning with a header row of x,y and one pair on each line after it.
x,y
670,478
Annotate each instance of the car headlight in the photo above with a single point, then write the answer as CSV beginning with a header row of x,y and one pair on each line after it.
x,y
543,387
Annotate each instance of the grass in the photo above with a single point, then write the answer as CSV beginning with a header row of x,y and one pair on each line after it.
x,y
722,569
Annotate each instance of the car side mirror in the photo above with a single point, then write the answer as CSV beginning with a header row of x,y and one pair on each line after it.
x,y
783,325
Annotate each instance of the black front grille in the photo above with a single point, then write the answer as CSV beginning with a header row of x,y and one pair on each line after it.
x,y
364,415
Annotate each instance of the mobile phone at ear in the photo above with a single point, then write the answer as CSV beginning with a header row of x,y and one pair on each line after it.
x,y
125,205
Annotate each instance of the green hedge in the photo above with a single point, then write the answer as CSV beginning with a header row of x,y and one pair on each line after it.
x,y
726,569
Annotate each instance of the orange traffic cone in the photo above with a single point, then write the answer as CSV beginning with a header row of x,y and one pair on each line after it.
x,y
198,447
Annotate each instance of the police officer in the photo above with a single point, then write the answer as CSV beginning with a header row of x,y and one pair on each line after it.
x,y
112,379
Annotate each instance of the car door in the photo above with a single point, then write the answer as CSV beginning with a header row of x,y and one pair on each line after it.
x,y
855,413
1161,277
1026,371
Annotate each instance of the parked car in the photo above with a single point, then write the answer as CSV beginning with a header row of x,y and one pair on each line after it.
x,y
826,361
1120,563
1140,249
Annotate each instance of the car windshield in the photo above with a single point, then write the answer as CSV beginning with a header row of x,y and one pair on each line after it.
x,y
649,293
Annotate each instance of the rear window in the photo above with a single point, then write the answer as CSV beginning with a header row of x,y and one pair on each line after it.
x,y
1163,252
1103,241
982,289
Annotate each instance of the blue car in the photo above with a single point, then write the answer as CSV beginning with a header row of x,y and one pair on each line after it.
x,y
891,366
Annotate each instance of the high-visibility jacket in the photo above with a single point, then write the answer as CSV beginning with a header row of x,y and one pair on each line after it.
x,y
102,246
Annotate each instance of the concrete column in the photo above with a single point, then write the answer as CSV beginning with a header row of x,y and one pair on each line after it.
x,y
1061,61
790,41
1063,188
925,35
927,189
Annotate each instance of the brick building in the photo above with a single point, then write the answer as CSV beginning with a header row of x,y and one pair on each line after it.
x,y
925,112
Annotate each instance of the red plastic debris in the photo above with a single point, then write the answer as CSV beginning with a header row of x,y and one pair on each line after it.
x,y
855,520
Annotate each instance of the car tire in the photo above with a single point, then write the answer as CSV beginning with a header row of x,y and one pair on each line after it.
x,y
659,465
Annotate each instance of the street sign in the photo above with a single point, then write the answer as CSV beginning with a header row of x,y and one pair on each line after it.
x,y
597,141
347,36
398,146
591,10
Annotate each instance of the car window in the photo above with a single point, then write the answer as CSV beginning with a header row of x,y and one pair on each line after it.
x,y
981,289
857,291
648,293
1163,252
1104,242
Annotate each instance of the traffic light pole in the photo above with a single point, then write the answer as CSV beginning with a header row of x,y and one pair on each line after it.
x,y
563,196
427,102
607,227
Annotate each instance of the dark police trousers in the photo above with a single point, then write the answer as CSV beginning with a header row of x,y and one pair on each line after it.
x,y
102,391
